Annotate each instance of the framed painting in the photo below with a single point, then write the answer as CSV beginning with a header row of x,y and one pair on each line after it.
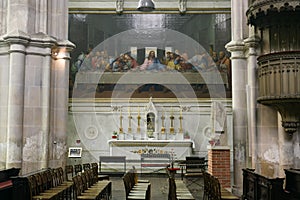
x,y
75,152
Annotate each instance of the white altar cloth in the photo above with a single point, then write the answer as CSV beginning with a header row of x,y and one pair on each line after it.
x,y
132,149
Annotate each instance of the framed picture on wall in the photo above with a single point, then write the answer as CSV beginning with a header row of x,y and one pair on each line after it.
x,y
75,152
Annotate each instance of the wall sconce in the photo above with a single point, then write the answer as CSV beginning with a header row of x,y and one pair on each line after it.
x,y
58,54
146,5
54,53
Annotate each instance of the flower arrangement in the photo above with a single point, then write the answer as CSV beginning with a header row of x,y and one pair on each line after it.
x,y
187,135
115,135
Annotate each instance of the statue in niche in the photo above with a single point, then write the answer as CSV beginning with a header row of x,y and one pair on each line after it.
x,y
150,125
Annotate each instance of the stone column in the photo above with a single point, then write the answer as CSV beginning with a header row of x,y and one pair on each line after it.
x,y
59,104
252,44
36,103
239,82
219,164
15,107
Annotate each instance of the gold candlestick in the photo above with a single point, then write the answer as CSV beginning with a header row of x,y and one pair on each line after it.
x,y
139,124
129,120
129,125
172,124
121,128
163,129
180,122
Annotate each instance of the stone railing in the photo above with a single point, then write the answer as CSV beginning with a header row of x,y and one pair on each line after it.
x,y
279,85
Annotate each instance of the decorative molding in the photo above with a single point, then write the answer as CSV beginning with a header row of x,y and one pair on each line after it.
x,y
91,132
119,6
290,127
263,12
182,6
279,86
151,143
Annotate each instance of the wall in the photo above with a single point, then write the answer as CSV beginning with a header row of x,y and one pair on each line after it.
x,y
104,118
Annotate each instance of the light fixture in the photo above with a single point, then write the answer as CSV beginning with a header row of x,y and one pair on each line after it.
x,y
146,5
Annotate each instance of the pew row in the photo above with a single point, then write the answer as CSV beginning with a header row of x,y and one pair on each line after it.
x,y
135,189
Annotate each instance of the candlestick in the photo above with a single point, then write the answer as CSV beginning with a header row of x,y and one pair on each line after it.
x,y
163,124
138,118
180,121
129,123
121,128
172,124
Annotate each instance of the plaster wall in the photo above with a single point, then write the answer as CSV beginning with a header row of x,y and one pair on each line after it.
x,y
104,120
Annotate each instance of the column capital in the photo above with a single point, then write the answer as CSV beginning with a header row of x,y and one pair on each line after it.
x,y
237,49
42,40
252,41
233,46
66,44
17,37
62,49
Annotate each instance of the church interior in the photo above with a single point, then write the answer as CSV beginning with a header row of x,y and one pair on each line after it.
x,y
96,95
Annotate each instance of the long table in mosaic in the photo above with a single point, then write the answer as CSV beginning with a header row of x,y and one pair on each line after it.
x,y
144,77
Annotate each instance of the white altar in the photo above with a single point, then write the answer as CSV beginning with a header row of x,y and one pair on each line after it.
x,y
132,149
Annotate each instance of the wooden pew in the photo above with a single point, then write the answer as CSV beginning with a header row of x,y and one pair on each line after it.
x,y
292,185
87,187
177,189
134,189
257,186
6,183
100,177
213,189
42,184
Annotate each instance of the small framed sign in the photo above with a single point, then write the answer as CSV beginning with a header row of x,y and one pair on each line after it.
x,y
75,152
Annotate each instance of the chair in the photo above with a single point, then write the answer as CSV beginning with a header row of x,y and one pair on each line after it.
x,y
101,177
86,166
69,172
78,169
194,168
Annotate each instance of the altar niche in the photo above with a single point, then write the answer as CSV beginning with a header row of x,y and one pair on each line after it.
x,y
150,124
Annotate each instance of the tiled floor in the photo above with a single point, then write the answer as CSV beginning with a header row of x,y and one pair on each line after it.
x,y
159,187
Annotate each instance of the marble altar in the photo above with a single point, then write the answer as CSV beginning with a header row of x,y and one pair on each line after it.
x,y
132,149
